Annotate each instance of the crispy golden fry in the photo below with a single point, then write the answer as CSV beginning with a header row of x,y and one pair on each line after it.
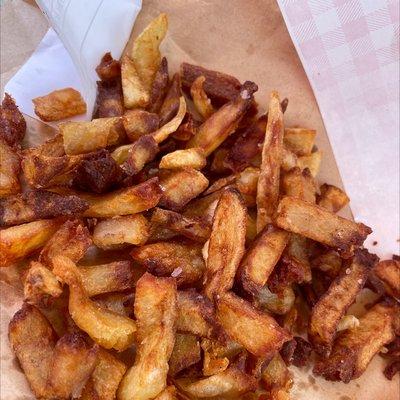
x,y
256,331
109,99
186,352
131,200
203,207
105,379
309,220
59,104
120,303
72,363
246,182
179,260
332,198
193,228
32,339
191,158
300,184
84,137
38,204
12,122
222,183
155,310
19,241
331,307
268,181
312,162
9,170
388,272
262,257
196,315
168,393
223,122
145,53
299,140
108,329
170,104
180,186
187,129
133,89
71,240
354,349
200,99
227,241
113,277
138,123
159,88
119,231
213,363
108,69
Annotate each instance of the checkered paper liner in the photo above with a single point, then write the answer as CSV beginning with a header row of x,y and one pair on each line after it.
x,y
350,52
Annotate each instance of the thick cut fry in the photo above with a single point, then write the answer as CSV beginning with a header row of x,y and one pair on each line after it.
x,y
159,88
196,315
170,104
12,122
155,310
71,240
312,162
388,272
32,339
109,99
119,231
300,184
200,99
9,170
108,329
193,228
331,307
135,93
332,198
145,53
256,331
262,257
186,353
38,204
298,216
268,181
179,260
223,122
108,69
180,186
113,277
138,123
19,241
299,140
354,349
131,200
59,104
191,158
227,241
72,363
84,137
167,394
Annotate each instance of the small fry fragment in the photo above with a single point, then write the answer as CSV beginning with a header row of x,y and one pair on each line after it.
x,y
186,352
155,310
109,100
9,170
299,140
170,105
59,104
312,162
388,272
159,88
138,123
191,158
332,198
12,122
200,99
227,241
108,69
300,184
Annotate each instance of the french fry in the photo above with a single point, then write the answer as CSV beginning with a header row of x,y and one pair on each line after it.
x,y
168,393
212,363
9,170
12,122
331,307
298,216
179,260
222,183
72,363
138,123
223,122
19,241
328,262
354,349
108,329
227,241
108,69
109,99
268,181
187,129
300,184
33,340
186,352
289,160
155,310
119,302
219,164
299,140
203,207
85,137
38,204
59,104
256,331
170,105
200,99
180,186
332,198
312,162
388,272
246,182
278,303
262,257
159,88
191,158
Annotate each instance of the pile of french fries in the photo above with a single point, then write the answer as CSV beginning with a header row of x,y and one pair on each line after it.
x,y
222,260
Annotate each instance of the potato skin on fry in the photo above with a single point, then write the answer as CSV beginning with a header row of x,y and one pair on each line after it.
x,y
108,69
170,105
159,87
109,101
12,122
200,99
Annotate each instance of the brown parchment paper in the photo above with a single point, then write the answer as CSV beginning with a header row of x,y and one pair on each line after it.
x,y
246,38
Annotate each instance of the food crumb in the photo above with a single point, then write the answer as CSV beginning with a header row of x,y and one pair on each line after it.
x,y
374,243
176,272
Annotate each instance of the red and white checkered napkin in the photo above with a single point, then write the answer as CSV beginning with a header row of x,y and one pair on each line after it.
x,y
350,52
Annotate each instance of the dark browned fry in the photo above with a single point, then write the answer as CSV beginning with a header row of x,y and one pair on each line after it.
x,y
12,122
170,104
108,68
186,352
138,123
391,370
296,352
332,198
187,129
200,99
10,165
159,87
109,101
329,262
388,272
